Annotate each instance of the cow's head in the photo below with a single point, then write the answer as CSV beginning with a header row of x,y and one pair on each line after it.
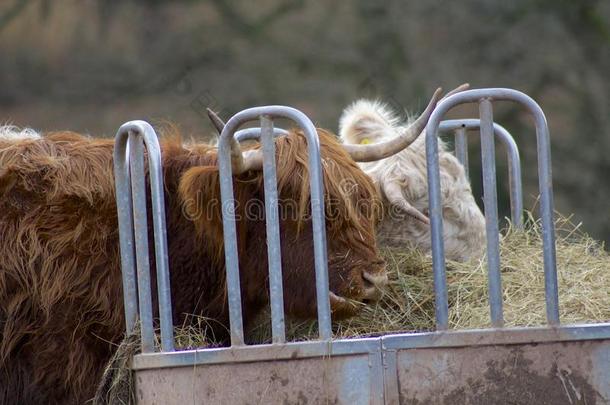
x,y
402,181
352,208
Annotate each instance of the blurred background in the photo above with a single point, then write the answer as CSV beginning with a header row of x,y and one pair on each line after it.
x,y
90,65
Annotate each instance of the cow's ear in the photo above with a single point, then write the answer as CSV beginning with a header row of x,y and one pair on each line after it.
x,y
8,179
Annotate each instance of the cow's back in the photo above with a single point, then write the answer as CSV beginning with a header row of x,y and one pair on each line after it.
x,y
60,286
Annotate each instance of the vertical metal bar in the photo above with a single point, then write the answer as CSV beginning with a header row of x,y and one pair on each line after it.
x,y
491,211
230,239
514,175
125,218
160,235
138,189
273,231
436,223
318,224
461,147
546,211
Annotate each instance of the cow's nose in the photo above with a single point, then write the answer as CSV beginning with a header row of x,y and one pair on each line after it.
x,y
373,283
378,280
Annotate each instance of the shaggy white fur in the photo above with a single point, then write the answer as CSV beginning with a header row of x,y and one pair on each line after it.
x,y
402,181
11,132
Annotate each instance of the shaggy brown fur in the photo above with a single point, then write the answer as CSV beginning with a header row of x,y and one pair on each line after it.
x,y
61,312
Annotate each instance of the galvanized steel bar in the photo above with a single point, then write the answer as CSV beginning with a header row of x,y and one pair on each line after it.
x,y
157,191
230,235
490,198
254,353
501,336
138,191
134,133
122,181
273,231
253,134
461,147
441,304
514,175
514,161
544,180
317,209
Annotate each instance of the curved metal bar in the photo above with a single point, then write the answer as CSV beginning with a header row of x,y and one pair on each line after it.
x,y
317,208
138,134
122,183
140,233
545,185
276,291
460,126
254,134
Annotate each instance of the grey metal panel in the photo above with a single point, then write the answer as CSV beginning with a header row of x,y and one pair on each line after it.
x,y
321,380
539,373
501,366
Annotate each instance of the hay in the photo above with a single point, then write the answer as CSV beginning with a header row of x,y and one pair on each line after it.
x,y
583,268
117,385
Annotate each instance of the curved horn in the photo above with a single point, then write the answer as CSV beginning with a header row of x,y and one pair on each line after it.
x,y
218,123
240,161
458,89
393,193
382,150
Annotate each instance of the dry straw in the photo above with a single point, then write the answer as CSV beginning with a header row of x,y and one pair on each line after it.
x,y
583,268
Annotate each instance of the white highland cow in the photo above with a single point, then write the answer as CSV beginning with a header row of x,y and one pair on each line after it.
x,y
402,181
